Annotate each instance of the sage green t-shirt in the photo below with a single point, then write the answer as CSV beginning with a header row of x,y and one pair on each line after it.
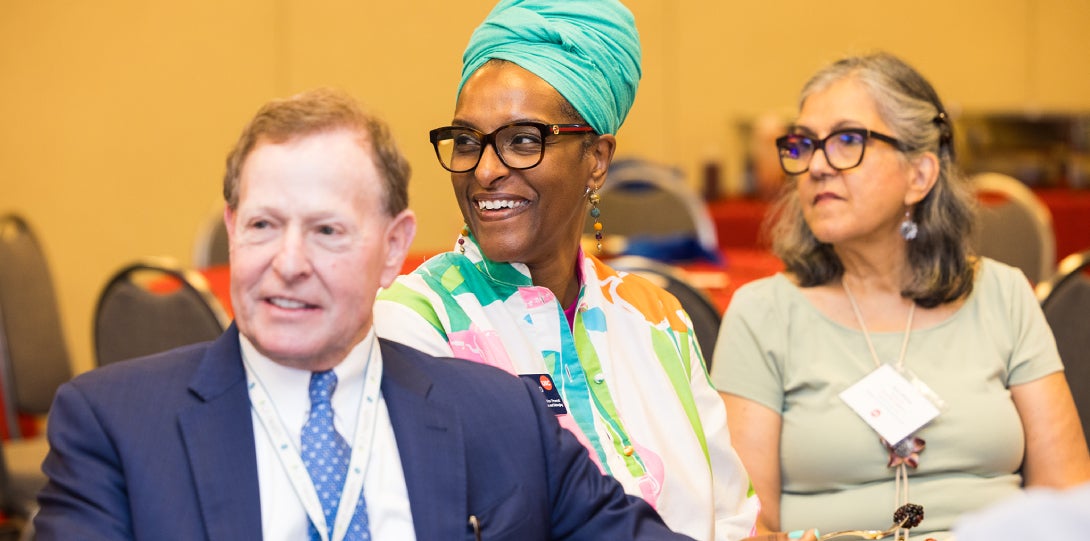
x,y
777,349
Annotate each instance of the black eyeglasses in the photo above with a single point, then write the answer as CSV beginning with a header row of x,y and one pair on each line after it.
x,y
843,149
520,145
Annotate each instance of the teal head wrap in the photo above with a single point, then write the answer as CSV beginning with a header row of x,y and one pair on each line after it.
x,y
588,50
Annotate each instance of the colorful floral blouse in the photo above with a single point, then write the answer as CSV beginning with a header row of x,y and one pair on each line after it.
x,y
629,378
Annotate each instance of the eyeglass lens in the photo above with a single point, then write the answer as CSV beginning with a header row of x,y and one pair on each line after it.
x,y
519,146
843,150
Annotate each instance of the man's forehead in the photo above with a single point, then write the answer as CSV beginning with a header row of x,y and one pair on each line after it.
x,y
320,159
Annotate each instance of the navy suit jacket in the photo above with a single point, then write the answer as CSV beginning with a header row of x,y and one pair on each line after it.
x,y
162,448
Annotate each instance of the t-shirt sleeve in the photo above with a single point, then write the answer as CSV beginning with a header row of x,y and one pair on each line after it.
x,y
1034,354
749,352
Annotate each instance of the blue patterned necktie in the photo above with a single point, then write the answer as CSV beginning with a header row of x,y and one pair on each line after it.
x,y
326,456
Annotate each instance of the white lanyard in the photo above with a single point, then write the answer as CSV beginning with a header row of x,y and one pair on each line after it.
x,y
866,335
900,477
287,449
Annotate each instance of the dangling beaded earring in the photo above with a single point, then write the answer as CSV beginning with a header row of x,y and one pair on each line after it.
x,y
909,228
595,212
462,238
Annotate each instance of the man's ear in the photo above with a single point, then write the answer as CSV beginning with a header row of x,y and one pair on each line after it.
x,y
399,237
925,172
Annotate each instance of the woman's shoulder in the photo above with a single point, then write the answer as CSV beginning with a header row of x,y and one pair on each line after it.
x,y
995,276
992,269
778,288
637,288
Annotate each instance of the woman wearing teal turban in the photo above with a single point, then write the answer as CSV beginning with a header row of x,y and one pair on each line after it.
x,y
545,87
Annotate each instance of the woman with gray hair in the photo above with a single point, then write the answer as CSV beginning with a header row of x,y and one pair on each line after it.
x,y
889,364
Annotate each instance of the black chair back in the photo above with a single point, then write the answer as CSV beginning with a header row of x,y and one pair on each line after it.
x,y
152,306
35,351
34,361
1065,301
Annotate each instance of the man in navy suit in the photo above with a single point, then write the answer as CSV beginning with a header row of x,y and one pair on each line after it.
x,y
241,438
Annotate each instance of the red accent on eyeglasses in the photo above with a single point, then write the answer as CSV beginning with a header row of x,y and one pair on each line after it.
x,y
568,129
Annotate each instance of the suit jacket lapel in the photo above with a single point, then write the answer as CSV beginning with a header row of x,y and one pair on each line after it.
x,y
219,438
430,444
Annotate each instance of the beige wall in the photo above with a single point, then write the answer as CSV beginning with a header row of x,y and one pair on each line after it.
x,y
116,115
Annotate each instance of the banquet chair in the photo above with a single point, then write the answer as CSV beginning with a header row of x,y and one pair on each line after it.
x,y
34,360
1065,300
1014,226
151,306
702,311
652,206
21,477
19,509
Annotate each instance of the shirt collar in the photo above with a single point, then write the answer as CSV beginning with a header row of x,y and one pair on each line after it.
x,y
288,387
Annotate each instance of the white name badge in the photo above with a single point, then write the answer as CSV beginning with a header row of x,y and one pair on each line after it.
x,y
892,405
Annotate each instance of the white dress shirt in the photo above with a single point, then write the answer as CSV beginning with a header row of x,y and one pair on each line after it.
x,y
282,514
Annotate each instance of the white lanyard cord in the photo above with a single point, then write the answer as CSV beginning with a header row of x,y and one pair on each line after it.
x,y
866,335
900,483
287,450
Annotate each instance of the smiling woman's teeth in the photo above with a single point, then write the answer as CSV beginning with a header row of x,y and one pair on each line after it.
x,y
495,205
288,304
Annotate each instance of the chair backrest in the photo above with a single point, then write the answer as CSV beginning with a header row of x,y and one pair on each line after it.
x,y
1065,300
702,311
211,247
1014,226
151,306
641,198
36,354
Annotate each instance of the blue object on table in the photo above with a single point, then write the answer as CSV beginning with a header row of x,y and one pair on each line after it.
x,y
671,249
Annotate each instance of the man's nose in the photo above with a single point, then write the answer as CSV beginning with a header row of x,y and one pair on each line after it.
x,y
292,260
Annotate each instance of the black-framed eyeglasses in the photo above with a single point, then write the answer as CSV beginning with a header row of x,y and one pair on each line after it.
x,y
843,149
520,145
